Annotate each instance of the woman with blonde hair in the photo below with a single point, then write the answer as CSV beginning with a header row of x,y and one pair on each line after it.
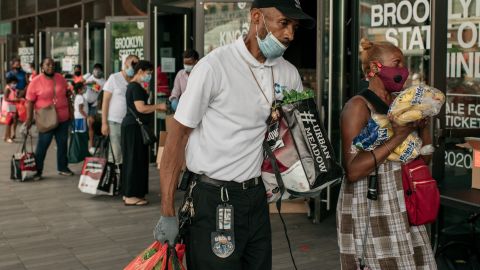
x,y
390,242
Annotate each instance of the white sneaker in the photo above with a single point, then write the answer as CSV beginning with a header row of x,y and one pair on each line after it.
x,y
91,150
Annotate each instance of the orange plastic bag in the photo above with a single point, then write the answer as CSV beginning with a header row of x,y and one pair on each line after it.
x,y
159,256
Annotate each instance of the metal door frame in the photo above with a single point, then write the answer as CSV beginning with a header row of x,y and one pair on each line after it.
x,y
3,61
88,25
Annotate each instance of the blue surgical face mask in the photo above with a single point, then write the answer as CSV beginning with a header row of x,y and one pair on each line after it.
x,y
188,68
13,86
130,72
147,78
270,46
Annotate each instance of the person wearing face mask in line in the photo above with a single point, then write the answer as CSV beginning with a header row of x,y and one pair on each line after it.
x,y
134,177
40,94
9,109
114,107
223,116
95,83
190,59
20,74
77,75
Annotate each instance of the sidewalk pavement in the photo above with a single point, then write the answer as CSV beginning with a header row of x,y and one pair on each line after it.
x,y
50,224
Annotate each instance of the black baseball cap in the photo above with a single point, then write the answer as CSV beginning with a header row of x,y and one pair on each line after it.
x,y
289,8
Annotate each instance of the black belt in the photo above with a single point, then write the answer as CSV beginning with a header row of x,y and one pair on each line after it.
x,y
251,183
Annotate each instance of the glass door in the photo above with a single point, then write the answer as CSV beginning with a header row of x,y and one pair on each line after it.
x,y
172,35
125,36
63,45
23,48
95,45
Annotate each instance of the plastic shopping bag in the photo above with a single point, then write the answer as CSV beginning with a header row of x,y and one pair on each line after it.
x,y
159,256
415,103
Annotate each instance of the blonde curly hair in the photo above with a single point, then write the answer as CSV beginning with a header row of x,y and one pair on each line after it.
x,y
373,51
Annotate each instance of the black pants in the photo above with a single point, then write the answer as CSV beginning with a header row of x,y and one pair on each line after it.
x,y
253,237
134,175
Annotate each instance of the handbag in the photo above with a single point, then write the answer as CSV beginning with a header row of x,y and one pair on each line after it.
x,y
422,197
46,118
23,165
147,134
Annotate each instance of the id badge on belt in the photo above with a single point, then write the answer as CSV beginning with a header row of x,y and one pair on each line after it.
x,y
223,239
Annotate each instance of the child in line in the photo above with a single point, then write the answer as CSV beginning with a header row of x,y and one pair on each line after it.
x,y
80,108
9,109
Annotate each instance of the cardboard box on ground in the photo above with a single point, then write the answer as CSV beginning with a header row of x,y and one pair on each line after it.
x,y
474,143
295,206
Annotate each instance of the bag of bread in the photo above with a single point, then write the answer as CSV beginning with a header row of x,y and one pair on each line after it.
x,y
415,103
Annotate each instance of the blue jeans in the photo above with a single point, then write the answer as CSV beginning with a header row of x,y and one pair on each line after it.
x,y
44,140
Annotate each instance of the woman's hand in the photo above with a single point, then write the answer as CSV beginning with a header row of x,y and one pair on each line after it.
x,y
161,107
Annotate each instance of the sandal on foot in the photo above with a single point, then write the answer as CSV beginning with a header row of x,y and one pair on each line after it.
x,y
137,203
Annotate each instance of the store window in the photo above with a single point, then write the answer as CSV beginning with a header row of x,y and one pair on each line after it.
x,y
406,24
126,38
463,90
224,23
47,4
25,26
71,16
68,2
21,47
26,7
47,20
8,9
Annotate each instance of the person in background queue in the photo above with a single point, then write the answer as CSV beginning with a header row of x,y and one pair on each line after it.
x,y
17,71
114,106
391,243
222,117
190,59
134,177
9,109
78,75
95,83
40,94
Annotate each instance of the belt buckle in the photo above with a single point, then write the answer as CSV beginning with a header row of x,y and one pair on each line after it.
x,y
244,185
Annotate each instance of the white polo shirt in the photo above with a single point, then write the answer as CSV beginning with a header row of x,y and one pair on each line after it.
x,y
224,106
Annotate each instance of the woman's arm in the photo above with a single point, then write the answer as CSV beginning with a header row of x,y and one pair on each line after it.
x,y
354,118
145,109
426,136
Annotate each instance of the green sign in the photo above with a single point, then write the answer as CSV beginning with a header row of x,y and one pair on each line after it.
x,y
5,28
127,39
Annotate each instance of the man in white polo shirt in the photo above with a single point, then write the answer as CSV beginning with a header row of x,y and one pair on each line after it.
x,y
114,106
219,127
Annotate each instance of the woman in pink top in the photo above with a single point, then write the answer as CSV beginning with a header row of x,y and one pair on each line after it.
x,y
39,95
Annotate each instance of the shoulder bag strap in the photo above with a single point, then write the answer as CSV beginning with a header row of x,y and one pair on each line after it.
x,y
281,186
135,115
380,106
